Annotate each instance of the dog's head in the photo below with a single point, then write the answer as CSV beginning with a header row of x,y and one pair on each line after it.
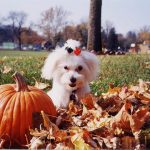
x,y
71,67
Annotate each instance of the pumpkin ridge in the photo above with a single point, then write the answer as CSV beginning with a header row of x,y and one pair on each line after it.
x,y
48,107
5,118
39,101
32,100
29,103
54,112
5,90
15,132
22,115
44,103
27,115
36,107
7,98
1,98
12,103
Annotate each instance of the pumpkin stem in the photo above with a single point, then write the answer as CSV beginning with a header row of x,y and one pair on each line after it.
x,y
21,84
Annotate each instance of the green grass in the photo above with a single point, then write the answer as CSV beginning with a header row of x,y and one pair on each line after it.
x,y
26,62
120,70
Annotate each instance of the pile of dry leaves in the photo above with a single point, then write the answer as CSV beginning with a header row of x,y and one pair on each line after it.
x,y
112,121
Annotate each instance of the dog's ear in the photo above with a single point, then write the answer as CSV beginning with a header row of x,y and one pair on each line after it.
x,y
92,63
50,65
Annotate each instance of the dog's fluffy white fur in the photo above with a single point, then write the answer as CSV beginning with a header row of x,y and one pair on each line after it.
x,y
69,72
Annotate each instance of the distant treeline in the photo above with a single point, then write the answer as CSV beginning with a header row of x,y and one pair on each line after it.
x,y
55,29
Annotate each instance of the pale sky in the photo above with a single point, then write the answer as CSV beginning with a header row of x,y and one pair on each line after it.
x,y
124,14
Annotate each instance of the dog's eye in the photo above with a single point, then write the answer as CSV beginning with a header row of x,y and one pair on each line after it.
x,y
80,68
66,68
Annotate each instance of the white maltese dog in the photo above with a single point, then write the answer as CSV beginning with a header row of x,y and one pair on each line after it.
x,y
71,70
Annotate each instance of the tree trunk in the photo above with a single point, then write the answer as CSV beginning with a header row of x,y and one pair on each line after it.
x,y
20,43
94,26
19,39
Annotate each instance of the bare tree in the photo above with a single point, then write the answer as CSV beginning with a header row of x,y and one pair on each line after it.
x,y
52,22
17,20
144,34
94,28
108,26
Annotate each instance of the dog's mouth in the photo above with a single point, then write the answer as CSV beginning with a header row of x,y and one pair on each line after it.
x,y
72,85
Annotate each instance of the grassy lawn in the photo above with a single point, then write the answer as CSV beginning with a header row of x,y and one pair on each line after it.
x,y
120,70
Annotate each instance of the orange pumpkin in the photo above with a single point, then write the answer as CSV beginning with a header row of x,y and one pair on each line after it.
x,y
17,104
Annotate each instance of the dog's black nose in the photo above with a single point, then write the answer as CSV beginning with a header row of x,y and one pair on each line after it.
x,y
73,80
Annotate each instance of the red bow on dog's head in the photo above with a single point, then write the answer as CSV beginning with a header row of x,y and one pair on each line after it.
x,y
76,51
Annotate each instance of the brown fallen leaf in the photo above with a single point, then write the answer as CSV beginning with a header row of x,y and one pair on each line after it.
x,y
128,142
88,139
128,120
138,119
111,104
6,69
37,133
112,89
78,140
41,85
102,132
122,119
147,65
54,131
1,62
47,123
74,109
144,97
140,88
89,101
60,146
36,143
5,58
